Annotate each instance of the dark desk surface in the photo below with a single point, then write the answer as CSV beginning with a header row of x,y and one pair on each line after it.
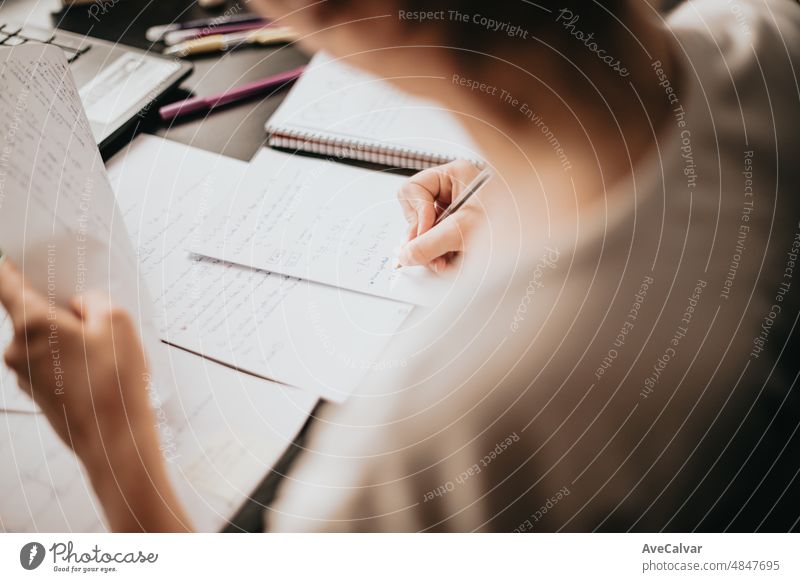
x,y
236,132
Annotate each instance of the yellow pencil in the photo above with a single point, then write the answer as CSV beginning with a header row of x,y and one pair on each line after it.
x,y
223,42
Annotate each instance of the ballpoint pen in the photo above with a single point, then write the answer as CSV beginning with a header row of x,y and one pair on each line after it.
x,y
156,33
199,104
223,42
469,192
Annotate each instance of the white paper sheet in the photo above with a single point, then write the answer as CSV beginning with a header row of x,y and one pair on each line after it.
x,y
58,217
320,221
306,335
121,85
226,430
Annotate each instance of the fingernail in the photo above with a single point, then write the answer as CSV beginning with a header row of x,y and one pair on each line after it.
x,y
403,258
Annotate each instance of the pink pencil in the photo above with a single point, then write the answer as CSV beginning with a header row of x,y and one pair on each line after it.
x,y
199,104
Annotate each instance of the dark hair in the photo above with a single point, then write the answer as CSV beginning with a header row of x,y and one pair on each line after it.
x,y
499,25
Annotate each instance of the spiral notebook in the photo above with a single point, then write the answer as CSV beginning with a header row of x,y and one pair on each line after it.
x,y
338,111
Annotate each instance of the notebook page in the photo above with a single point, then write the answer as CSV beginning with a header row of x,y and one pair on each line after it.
x,y
58,218
324,222
307,335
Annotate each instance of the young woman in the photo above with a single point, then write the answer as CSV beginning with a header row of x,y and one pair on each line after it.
x,y
616,358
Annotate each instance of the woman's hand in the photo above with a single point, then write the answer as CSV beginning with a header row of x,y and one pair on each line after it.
x,y
86,369
423,197
84,366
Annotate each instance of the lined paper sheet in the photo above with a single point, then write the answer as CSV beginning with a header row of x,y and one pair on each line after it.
x,y
324,222
58,218
222,432
303,334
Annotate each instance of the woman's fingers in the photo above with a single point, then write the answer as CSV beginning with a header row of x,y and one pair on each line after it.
x,y
419,206
446,237
102,318
15,356
91,307
438,264
28,312
423,192
11,289
26,306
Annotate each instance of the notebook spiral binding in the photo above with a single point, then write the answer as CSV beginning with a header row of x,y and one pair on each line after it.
x,y
355,149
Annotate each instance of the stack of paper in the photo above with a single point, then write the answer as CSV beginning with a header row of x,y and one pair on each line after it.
x,y
283,269
301,333
220,430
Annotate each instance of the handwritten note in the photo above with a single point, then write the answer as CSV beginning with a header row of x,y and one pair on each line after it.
x,y
320,221
58,216
304,334
221,430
